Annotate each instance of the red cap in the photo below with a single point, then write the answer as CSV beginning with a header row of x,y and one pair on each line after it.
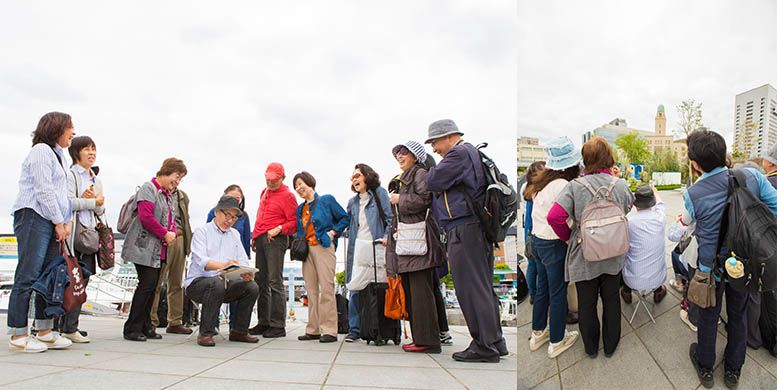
x,y
274,171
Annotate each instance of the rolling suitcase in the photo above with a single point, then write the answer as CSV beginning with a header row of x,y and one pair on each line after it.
x,y
373,325
342,314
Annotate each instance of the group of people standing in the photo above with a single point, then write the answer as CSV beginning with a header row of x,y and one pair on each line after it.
x,y
557,193
159,239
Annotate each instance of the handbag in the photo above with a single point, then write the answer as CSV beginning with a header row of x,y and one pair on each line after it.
x,y
394,306
106,257
299,246
410,238
87,240
701,289
75,292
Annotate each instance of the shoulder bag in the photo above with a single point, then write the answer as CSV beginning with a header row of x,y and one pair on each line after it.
x,y
299,246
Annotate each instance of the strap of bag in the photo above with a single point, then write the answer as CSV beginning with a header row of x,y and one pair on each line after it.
x,y
311,208
723,230
595,193
380,207
611,187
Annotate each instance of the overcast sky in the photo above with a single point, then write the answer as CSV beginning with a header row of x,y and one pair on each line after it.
x,y
318,86
581,64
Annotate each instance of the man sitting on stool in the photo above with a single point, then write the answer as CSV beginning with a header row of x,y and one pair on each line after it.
x,y
215,246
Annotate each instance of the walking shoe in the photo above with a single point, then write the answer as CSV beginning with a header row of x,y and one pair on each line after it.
x,y
446,338
555,349
536,340
684,318
327,338
572,317
135,337
258,329
152,335
272,333
626,296
178,329
53,340
308,337
206,341
705,376
678,285
420,349
76,337
351,338
27,344
242,337
659,295
731,378
468,356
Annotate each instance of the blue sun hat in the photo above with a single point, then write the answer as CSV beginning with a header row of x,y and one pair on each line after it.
x,y
562,154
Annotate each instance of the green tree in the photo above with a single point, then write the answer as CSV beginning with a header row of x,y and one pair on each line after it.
x,y
634,146
690,121
664,160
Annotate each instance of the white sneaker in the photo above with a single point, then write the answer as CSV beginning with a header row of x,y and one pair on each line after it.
x,y
76,337
54,340
536,341
555,349
27,344
684,317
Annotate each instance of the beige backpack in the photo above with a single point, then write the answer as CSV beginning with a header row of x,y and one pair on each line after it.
x,y
604,229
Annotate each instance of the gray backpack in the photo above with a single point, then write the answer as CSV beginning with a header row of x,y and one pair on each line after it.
x,y
129,211
604,229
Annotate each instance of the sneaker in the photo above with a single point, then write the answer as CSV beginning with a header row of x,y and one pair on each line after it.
x,y
705,376
678,285
684,318
555,349
54,340
258,330
731,378
76,337
27,344
351,338
536,340
445,338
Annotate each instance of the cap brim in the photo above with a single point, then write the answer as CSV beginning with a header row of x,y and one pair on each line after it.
x,y
429,140
272,176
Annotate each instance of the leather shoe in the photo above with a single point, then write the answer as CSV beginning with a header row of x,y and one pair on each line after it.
x,y
659,295
626,296
206,341
274,332
308,337
416,348
135,337
178,329
258,329
152,335
572,317
468,356
327,339
242,337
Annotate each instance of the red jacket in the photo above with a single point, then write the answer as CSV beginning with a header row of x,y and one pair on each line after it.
x,y
276,208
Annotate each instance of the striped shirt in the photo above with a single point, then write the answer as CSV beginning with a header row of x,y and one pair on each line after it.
x,y
210,243
645,265
43,184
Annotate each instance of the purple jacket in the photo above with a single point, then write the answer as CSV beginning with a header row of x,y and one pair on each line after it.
x,y
460,169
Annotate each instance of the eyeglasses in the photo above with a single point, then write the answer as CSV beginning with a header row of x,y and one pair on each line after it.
x,y
230,216
356,176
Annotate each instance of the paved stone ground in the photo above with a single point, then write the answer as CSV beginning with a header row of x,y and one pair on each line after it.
x,y
174,362
649,356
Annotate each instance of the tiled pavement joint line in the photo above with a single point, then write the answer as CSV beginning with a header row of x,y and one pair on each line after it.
x,y
448,372
332,365
35,377
653,357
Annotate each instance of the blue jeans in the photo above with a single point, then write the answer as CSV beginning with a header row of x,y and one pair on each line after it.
x,y
551,294
353,314
679,266
37,246
531,276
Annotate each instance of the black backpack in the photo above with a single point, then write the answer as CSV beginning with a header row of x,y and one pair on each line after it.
x,y
749,230
497,207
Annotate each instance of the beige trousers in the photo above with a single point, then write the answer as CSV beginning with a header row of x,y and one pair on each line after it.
x,y
172,271
572,297
319,274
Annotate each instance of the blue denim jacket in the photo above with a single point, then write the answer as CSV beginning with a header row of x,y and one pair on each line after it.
x,y
378,228
52,283
327,215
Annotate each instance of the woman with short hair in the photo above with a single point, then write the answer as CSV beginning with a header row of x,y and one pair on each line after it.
x,y
145,245
41,221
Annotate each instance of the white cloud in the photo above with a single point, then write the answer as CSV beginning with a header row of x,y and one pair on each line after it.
x,y
582,64
318,86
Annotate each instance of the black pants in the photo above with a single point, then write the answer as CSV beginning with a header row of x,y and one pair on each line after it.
x,y
736,329
439,303
472,267
139,320
271,302
588,291
421,309
211,293
754,339
68,322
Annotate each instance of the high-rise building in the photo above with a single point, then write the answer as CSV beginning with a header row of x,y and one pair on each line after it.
x,y
755,121
529,151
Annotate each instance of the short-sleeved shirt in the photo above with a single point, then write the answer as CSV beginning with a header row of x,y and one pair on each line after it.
x,y
573,199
